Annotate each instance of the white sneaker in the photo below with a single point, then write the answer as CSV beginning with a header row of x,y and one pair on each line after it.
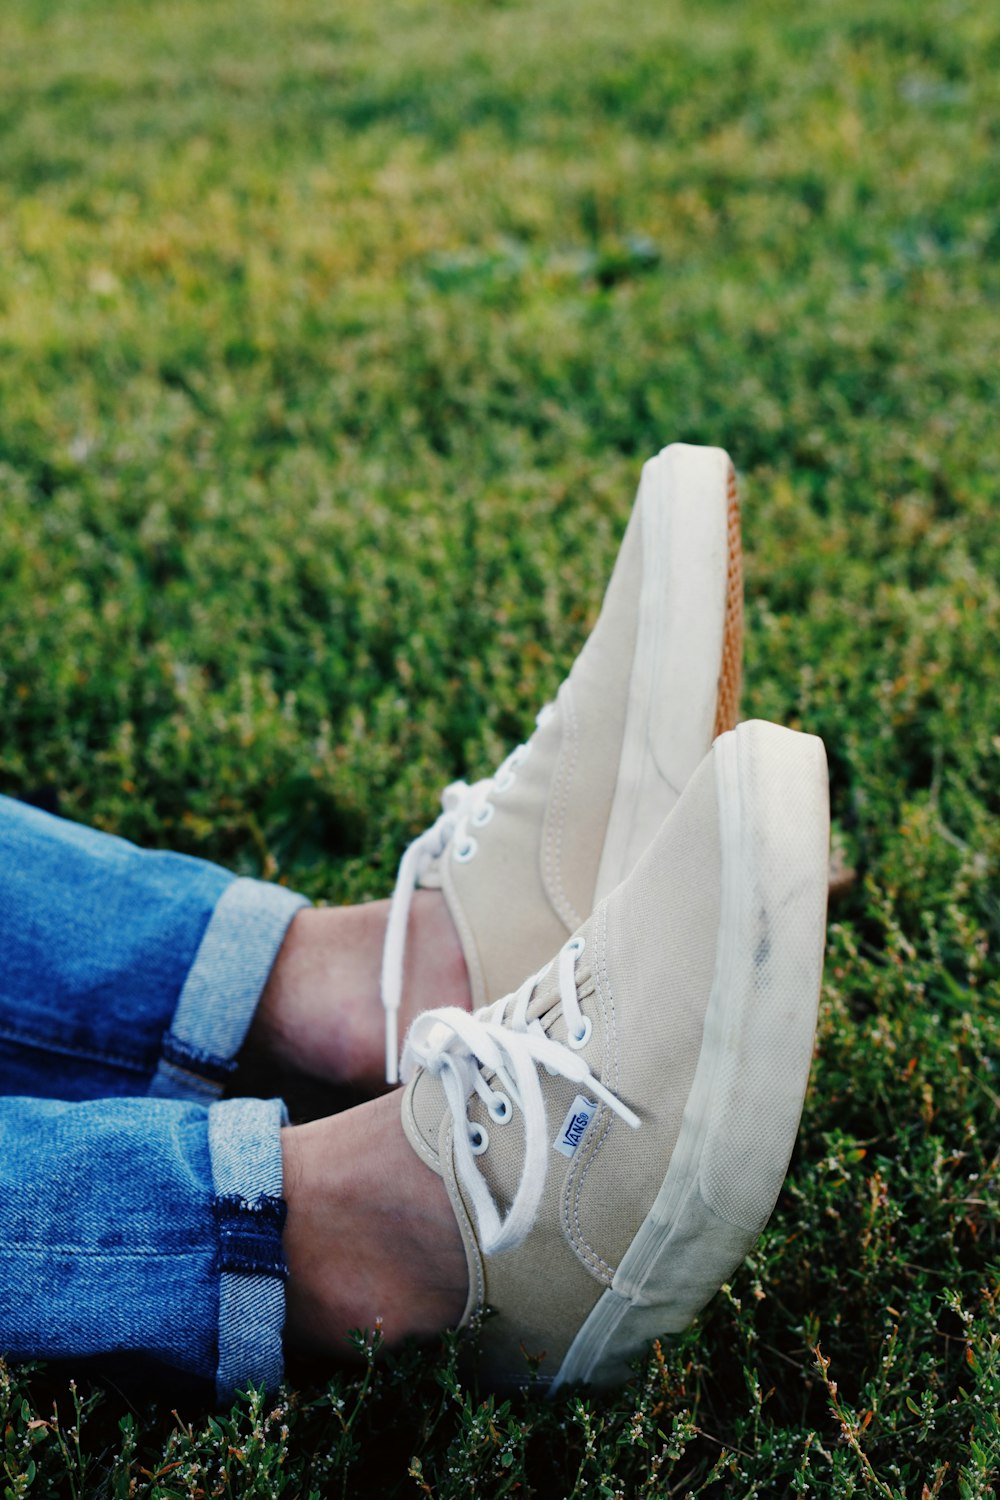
x,y
613,1136
524,855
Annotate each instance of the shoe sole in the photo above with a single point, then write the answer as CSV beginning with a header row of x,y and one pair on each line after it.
x,y
742,1115
686,672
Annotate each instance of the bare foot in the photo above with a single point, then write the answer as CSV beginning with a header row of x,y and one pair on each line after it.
x,y
371,1236
320,1013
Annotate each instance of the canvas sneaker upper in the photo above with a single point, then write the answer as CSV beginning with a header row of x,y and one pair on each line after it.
x,y
523,856
613,1135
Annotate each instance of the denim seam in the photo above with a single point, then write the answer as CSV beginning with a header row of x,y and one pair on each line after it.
x,y
187,1058
238,1266
64,1049
81,1252
179,1083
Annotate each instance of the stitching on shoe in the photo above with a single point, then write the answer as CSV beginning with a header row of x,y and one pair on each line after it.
x,y
425,1151
467,1230
577,1176
417,1141
586,1251
600,968
552,862
456,908
439,1164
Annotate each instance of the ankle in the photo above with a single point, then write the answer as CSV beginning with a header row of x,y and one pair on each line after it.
x,y
311,1014
371,1236
436,970
320,1012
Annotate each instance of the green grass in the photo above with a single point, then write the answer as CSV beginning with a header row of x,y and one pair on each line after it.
x,y
331,341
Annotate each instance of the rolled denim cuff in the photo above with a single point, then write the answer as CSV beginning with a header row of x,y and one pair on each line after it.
x,y
222,988
245,1148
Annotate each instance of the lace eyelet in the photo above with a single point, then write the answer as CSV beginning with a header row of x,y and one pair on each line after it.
x,y
501,1109
465,851
576,945
580,1038
505,782
478,1139
483,815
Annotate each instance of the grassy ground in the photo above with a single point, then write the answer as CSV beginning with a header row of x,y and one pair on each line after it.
x,y
332,339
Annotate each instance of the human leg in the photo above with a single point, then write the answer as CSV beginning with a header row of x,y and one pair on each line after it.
x,y
371,1236
125,970
129,970
385,1219
682,1011
134,1226
144,1229
319,1014
152,1226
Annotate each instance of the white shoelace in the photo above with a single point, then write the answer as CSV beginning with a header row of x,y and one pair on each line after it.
x,y
460,1050
463,807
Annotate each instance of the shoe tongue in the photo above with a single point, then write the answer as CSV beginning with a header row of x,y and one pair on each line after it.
x,y
545,1004
546,995
425,1108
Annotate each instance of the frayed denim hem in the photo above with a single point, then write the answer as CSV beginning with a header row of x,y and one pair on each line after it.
x,y
245,1146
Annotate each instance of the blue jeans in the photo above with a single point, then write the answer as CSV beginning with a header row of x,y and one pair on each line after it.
x,y
140,1215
